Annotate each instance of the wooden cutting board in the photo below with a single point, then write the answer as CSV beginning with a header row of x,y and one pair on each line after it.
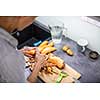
x,y
51,78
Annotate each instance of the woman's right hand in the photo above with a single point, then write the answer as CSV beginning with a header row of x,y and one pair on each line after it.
x,y
40,58
40,61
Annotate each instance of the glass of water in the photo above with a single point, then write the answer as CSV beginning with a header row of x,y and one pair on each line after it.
x,y
56,30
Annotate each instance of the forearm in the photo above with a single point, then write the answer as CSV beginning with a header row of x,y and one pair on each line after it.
x,y
33,76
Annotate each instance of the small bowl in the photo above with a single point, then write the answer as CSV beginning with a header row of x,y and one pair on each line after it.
x,y
93,55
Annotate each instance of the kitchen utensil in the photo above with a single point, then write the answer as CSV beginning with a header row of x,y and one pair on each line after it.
x,y
61,76
58,73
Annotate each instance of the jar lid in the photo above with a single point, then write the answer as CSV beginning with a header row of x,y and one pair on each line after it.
x,y
82,42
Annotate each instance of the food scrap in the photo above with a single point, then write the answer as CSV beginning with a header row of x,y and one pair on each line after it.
x,y
56,60
68,50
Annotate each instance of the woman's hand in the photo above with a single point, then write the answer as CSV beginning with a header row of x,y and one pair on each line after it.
x,y
40,60
39,57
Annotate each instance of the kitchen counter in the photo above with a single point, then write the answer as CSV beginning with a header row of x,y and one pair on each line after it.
x,y
89,69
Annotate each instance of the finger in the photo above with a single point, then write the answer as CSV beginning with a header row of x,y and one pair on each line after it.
x,y
37,50
29,48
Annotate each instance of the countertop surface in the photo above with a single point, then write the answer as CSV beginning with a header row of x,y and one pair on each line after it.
x,y
88,68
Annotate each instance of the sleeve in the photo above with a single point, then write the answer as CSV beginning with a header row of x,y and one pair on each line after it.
x,y
12,68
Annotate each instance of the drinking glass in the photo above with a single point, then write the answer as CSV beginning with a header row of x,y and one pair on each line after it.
x,y
56,30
